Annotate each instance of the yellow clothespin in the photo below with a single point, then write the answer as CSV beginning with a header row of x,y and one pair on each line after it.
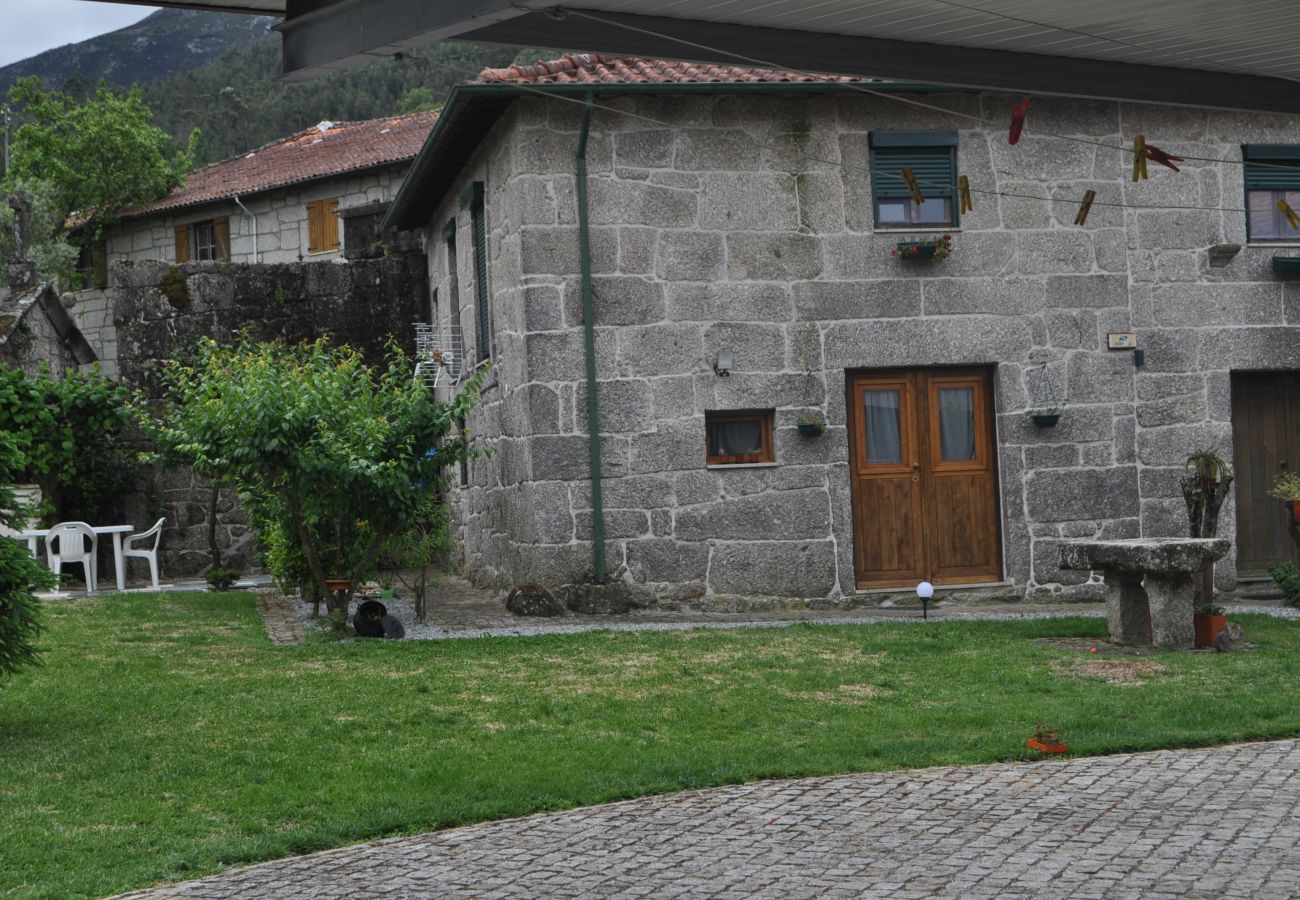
x,y
1139,157
963,192
912,186
1292,219
1082,217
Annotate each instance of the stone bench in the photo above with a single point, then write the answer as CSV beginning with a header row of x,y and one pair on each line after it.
x,y
1158,612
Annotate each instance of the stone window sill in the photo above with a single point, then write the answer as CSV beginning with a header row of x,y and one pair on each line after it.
x,y
928,229
760,465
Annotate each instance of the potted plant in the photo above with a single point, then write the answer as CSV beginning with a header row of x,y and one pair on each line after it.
x,y
1047,739
1047,416
914,251
811,423
1209,621
387,586
222,579
1287,487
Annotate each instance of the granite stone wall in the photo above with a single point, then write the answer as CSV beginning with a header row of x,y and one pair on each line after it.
x,y
281,221
745,224
160,310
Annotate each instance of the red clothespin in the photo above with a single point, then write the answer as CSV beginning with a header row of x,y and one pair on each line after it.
x,y
1139,157
1082,217
963,194
1018,113
910,178
1155,154
1292,219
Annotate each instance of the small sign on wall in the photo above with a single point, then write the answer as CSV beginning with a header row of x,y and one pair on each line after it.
x,y
1122,340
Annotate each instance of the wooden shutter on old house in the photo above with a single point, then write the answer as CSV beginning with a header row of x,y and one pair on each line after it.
x,y
221,238
182,243
99,264
323,226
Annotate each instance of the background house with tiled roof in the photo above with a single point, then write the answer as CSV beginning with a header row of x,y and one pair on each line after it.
x,y
670,265
279,203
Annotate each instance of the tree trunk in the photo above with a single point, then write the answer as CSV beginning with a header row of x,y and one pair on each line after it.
x,y
309,549
212,525
1203,506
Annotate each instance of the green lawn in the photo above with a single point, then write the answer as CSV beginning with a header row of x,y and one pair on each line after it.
x,y
167,738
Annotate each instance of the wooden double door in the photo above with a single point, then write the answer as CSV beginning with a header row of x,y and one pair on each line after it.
x,y
924,477
1266,443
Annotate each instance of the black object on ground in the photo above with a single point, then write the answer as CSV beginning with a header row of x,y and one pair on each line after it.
x,y
368,621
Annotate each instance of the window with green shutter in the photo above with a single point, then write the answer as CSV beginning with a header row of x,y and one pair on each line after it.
x,y
1272,173
482,315
932,157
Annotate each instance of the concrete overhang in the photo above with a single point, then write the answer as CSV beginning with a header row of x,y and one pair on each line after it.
x,y
1188,52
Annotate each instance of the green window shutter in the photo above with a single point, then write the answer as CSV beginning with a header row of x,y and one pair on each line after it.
x,y
1270,177
479,221
934,168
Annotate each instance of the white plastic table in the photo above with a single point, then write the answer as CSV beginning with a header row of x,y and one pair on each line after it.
x,y
119,562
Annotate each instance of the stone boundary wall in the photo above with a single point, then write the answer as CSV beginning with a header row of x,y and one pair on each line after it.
x,y
747,226
92,310
160,310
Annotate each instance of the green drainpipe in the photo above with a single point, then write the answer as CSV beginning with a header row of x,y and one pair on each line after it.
x,y
589,341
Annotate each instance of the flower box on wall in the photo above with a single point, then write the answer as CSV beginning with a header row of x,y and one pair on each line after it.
x,y
1286,266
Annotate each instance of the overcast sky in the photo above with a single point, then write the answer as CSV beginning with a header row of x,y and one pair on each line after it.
x,y
29,26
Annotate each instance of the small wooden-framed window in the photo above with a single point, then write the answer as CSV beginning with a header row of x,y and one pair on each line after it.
x,y
739,437
207,241
323,226
932,158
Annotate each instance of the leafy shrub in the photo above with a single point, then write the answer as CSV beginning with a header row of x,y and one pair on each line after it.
x,y
20,622
1287,578
222,579
67,437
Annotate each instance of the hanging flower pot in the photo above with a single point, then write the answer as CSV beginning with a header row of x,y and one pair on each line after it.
x,y
923,251
1046,417
811,424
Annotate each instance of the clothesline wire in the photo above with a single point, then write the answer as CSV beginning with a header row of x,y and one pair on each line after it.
x,y
768,64
867,169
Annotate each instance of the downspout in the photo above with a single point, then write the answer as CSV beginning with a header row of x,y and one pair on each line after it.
x,y
241,205
589,342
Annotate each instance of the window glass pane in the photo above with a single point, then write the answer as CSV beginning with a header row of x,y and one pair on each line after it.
x,y
735,436
937,211
893,212
884,439
956,423
1262,215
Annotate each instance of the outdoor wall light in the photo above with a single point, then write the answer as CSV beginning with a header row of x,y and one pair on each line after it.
x,y
724,364
925,591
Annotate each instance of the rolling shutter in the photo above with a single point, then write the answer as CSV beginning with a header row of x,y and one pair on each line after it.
x,y
934,168
221,238
1270,177
482,315
182,243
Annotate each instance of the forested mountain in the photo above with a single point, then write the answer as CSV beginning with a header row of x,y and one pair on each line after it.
x,y
238,105
169,41
217,72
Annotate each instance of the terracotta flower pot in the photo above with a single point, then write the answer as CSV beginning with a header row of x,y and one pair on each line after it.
x,y
1207,628
1295,510
1062,747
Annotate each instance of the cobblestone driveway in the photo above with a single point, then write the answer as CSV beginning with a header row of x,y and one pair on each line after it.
x,y
1200,823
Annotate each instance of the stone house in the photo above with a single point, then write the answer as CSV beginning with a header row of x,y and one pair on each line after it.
x,y
732,235
315,196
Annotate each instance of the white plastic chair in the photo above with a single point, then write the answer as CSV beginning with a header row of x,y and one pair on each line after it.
x,y
66,543
151,554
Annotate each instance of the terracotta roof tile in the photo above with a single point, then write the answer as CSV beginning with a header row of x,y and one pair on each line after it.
x,y
593,69
306,156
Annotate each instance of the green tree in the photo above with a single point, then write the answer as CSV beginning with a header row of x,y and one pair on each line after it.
x,y
66,436
99,157
20,622
54,255
332,453
416,99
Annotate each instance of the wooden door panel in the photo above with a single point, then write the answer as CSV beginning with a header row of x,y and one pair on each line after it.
x,y
886,511
1266,443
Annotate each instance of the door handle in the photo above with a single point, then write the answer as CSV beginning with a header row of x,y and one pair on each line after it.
x,y
918,465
